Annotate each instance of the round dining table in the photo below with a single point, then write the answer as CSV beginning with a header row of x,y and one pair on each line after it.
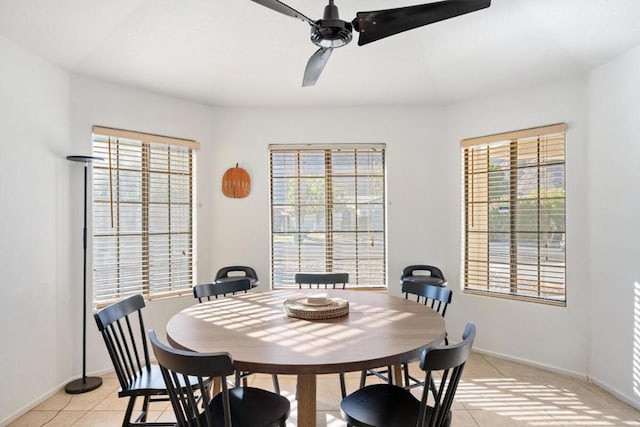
x,y
379,330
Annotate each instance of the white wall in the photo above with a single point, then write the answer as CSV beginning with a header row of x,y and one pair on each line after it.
x,y
556,337
614,208
35,183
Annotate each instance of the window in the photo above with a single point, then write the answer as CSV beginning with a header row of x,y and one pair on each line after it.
x,y
514,214
142,215
328,212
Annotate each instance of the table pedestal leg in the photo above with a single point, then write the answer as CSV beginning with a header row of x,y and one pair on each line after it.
x,y
216,386
307,400
397,374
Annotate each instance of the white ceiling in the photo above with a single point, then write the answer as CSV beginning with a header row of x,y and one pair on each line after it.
x,y
236,52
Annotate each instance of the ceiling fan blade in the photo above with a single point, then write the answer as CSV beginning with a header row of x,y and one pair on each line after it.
x,y
284,9
315,66
379,24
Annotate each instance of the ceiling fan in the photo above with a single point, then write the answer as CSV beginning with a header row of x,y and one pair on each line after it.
x,y
331,32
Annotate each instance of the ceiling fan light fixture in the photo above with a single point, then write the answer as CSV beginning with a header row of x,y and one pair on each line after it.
x,y
331,33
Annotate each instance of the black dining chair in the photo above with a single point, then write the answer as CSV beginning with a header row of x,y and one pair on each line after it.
x,y
388,405
436,297
198,407
209,290
433,296
321,279
327,280
425,274
122,327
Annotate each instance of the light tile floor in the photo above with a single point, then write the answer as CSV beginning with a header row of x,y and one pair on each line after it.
x,y
493,393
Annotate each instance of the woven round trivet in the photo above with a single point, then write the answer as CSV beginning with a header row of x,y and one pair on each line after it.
x,y
299,308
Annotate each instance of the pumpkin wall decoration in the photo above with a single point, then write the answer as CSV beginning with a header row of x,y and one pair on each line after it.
x,y
236,183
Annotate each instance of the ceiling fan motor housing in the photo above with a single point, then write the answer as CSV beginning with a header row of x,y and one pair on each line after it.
x,y
331,31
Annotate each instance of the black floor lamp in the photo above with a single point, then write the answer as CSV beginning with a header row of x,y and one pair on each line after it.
x,y
84,384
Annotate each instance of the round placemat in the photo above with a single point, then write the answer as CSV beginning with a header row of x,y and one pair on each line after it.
x,y
299,308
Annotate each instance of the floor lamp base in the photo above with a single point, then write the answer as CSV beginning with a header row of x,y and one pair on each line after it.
x,y
83,385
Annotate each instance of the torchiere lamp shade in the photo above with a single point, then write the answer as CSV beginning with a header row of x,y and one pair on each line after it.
x,y
84,159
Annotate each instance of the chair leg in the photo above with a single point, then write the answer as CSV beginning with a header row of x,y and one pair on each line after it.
x,y
141,420
276,383
145,408
380,374
343,385
405,368
241,376
126,422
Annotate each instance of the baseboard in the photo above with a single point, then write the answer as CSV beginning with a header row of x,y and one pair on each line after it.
x,y
620,396
29,406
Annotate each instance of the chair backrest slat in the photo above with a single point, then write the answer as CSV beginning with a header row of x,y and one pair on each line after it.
x,y
126,364
111,342
191,402
133,352
226,403
326,279
205,393
145,346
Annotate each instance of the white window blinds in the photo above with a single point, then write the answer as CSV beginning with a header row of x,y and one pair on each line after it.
x,y
328,212
143,228
514,214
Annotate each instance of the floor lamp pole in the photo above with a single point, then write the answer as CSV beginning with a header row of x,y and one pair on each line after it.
x,y
84,384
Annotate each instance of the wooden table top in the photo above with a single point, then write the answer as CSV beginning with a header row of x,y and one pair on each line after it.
x,y
379,330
